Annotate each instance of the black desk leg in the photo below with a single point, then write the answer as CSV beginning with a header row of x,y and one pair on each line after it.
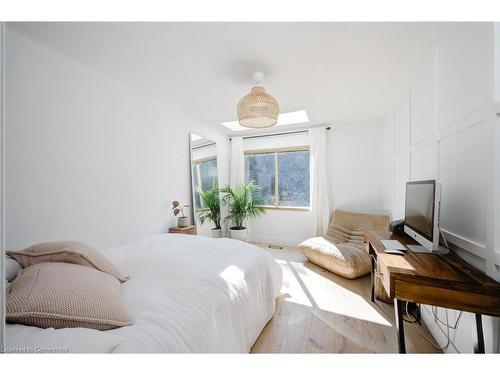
x,y
398,309
373,278
479,345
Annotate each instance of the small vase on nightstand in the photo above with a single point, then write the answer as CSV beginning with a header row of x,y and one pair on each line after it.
x,y
183,222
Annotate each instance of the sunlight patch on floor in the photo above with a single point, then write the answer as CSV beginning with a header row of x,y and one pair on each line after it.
x,y
291,288
327,293
321,312
304,286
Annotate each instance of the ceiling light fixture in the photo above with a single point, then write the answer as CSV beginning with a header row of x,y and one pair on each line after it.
x,y
258,109
287,118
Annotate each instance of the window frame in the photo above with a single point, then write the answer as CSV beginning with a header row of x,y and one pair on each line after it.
x,y
276,151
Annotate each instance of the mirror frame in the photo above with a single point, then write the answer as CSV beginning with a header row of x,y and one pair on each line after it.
x,y
192,198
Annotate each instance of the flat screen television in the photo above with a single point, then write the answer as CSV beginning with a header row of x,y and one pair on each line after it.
x,y
422,212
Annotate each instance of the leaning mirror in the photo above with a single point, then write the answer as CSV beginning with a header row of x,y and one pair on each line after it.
x,y
205,186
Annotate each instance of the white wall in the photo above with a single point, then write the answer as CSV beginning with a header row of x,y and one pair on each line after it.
x,y
441,127
88,158
354,164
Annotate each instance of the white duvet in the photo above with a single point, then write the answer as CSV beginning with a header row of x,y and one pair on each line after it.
x,y
185,293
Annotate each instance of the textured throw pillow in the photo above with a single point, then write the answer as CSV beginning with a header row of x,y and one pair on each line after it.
x,y
67,252
64,295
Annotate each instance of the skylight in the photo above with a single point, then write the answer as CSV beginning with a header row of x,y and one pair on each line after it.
x,y
288,118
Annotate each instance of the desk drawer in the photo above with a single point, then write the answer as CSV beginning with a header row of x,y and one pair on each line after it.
x,y
446,297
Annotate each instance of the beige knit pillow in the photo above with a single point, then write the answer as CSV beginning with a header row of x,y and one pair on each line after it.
x,y
68,252
64,295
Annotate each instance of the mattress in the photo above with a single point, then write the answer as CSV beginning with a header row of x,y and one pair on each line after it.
x,y
186,294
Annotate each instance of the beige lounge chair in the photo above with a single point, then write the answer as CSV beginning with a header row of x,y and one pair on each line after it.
x,y
342,249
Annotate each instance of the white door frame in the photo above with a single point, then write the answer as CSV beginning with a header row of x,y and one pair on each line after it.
x,y
496,132
496,188
2,185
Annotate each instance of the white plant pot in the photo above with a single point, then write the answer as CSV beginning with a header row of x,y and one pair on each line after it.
x,y
239,234
183,222
216,233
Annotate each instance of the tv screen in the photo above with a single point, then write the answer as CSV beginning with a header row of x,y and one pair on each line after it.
x,y
419,211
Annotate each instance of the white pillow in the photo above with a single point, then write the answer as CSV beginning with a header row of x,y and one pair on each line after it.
x,y
11,268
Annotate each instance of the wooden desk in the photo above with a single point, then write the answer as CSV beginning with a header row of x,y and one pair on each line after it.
x,y
432,279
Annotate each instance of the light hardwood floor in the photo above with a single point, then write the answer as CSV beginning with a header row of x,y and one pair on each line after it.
x,y
320,312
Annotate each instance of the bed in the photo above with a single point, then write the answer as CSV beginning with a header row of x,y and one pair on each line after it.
x,y
186,294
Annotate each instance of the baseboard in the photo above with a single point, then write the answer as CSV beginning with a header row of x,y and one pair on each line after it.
x,y
275,240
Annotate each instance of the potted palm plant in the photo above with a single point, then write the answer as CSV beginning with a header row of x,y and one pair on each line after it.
x,y
210,211
244,203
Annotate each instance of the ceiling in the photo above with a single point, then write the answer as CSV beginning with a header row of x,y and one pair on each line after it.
x,y
337,72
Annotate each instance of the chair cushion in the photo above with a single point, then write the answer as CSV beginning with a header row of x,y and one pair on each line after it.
x,y
351,226
68,252
64,295
346,259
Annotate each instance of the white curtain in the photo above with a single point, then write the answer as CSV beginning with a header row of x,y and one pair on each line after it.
x,y
237,175
320,192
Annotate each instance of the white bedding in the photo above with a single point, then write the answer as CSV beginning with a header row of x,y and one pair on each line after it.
x,y
185,294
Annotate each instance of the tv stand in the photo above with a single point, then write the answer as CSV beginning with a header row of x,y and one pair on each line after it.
x,y
432,279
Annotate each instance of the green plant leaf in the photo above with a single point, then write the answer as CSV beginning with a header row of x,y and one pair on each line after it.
x,y
243,203
211,202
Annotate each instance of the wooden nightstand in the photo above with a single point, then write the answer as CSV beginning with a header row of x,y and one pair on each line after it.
x,y
185,230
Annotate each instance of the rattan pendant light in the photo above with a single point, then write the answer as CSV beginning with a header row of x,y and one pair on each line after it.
x,y
258,109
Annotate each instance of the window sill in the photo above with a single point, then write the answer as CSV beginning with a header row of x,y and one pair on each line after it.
x,y
286,208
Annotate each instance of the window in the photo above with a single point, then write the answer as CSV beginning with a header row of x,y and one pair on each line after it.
x,y
204,175
282,174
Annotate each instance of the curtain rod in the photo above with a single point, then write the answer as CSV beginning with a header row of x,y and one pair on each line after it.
x,y
203,146
278,134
